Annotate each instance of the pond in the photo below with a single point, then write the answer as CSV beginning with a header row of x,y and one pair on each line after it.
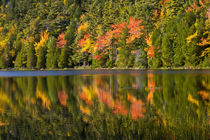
x,y
105,104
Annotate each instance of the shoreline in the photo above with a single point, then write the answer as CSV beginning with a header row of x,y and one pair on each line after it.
x,y
89,68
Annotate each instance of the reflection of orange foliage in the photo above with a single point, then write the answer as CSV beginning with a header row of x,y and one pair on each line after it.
x,y
150,98
134,86
192,100
151,83
84,98
206,84
86,95
2,110
105,97
131,98
136,108
119,108
85,110
151,88
204,95
3,124
62,96
45,101
98,80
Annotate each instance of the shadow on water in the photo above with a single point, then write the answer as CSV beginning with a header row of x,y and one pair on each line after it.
x,y
107,105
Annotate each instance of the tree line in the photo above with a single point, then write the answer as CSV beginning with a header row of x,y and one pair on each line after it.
x,y
104,33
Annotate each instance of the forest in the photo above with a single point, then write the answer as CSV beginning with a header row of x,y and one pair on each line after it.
x,y
57,34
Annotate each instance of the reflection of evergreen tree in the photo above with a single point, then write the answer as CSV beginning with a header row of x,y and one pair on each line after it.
x,y
177,111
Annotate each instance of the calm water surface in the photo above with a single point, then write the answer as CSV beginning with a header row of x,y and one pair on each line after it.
x,y
102,104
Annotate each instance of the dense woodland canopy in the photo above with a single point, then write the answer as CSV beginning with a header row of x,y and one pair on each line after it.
x,y
104,33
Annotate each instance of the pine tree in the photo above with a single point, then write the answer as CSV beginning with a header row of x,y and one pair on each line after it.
x,y
156,62
63,58
70,36
21,58
123,51
18,61
180,43
52,53
167,45
41,58
31,57
167,51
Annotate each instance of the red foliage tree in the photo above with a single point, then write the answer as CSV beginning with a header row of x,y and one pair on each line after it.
x,y
134,29
151,52
61,40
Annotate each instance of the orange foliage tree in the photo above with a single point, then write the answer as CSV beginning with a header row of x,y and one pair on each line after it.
x,y
103,43
61,40
150,50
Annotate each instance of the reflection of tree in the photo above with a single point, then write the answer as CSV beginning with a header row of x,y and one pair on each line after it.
x,y
178,105
152,106
62,96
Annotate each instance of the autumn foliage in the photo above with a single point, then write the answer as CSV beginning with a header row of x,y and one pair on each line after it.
x,y
103,43
43,40
150,49
118,106
61,41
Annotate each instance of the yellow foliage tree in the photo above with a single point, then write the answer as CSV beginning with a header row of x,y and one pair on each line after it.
x,y
189,38
42,42
83,27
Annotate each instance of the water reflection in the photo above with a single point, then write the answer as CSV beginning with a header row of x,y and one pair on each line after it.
x,y
111,106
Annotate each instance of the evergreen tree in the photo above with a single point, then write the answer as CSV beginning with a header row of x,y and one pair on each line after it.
x,y
156,42
180,43
41,58
167,45
123,51
31,57
21,59
52,53
63,58
18,61
70,36
167,51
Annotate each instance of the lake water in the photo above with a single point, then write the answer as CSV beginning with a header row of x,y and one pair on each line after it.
x,y
105,104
